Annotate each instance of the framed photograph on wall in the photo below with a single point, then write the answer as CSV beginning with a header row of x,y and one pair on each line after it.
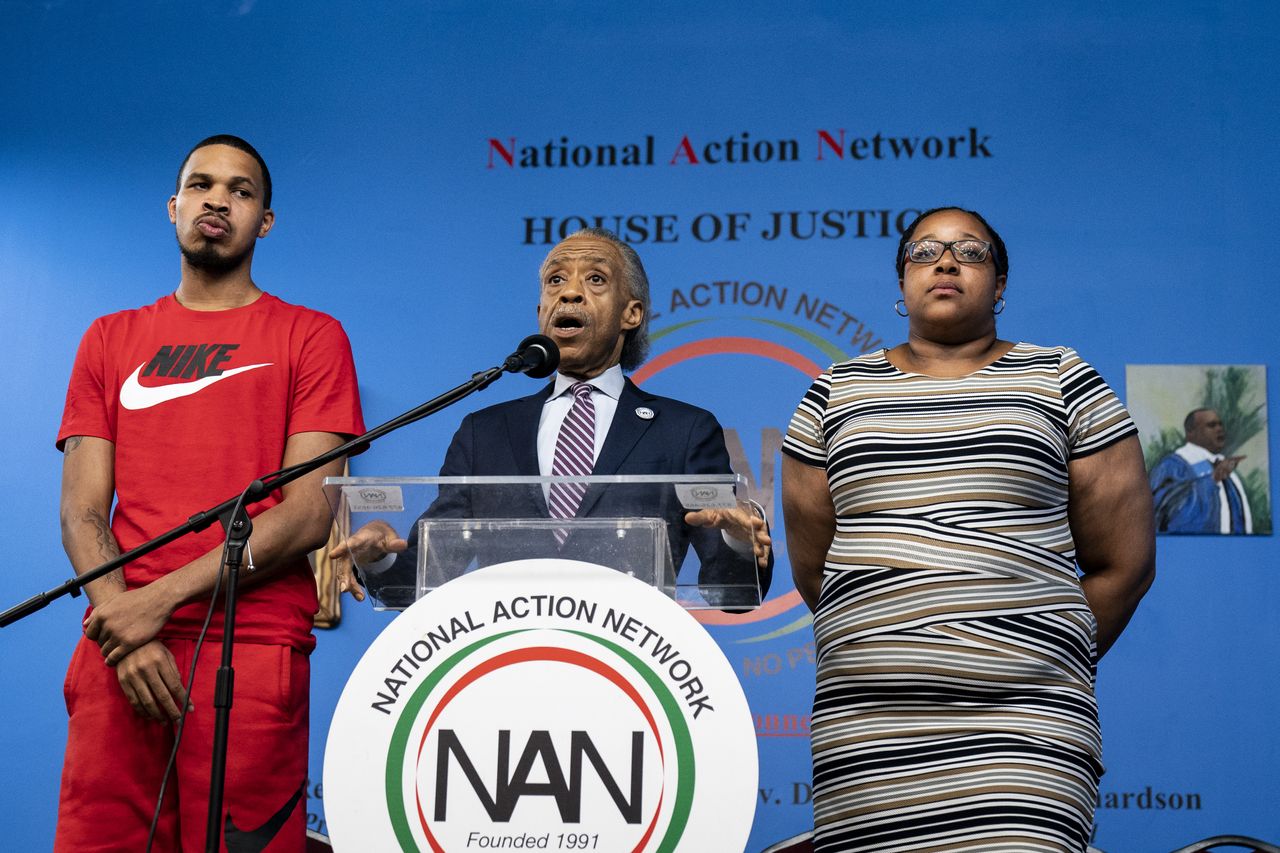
x,y
1203,429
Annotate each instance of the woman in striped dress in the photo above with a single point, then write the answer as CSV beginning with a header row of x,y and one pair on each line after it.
x,y
938,497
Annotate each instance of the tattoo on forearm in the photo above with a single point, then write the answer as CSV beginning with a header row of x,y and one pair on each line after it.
x,y
71,443
115,579
108,549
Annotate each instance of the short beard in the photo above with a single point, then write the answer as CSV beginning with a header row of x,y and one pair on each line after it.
x,y
208,259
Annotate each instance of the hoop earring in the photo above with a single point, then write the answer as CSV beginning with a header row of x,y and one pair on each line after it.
x,y
903,312
1000,310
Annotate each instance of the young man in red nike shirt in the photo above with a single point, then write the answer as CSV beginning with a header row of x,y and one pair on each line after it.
x,y
171,409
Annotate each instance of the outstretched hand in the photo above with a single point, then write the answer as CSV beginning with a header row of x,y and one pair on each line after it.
x,y
367,545
742,524
1223,468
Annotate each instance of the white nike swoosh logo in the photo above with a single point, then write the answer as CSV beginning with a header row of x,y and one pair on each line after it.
x,y
134,395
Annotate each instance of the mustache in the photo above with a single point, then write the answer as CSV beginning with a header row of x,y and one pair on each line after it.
x,y
560,315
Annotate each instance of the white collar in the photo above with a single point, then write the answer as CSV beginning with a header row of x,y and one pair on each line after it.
x,y
1194,453
610,382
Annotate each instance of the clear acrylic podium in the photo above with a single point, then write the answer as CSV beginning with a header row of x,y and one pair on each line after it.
x,y
630,523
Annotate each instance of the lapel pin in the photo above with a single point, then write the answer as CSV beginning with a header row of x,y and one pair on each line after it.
x,y
644,412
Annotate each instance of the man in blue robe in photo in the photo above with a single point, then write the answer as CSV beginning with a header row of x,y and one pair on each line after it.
x,y
1196,488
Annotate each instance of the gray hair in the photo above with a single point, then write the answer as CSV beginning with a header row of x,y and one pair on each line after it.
x,y
635,347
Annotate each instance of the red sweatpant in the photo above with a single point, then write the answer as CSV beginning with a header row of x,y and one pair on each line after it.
x,y
115,757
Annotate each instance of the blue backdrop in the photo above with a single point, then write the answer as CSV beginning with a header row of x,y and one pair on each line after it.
x,y
416,148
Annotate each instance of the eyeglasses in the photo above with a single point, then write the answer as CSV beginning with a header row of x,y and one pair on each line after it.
x,y
964,251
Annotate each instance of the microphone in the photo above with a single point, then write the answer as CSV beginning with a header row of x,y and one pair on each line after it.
x,y
538,356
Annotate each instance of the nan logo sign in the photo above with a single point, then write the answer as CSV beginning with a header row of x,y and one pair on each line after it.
x,y
542,705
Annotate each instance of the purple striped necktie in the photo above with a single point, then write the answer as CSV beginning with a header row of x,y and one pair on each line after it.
x,y
574,457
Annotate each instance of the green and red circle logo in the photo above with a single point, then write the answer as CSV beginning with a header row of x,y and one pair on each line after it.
x,y
544,704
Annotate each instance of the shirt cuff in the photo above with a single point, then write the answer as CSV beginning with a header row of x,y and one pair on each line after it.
x,y
377,567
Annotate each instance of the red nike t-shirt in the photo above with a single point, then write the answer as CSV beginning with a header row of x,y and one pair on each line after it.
x,y
199,404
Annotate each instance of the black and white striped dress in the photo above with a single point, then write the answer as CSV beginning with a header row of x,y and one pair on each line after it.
x,y
954,707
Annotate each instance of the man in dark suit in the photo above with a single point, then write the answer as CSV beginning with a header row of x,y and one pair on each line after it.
x,y
590,419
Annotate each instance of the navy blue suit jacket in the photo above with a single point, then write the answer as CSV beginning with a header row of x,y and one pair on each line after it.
x,y
501,440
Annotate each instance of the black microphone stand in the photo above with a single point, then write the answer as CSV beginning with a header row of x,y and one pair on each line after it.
x,y
239,528
234,513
